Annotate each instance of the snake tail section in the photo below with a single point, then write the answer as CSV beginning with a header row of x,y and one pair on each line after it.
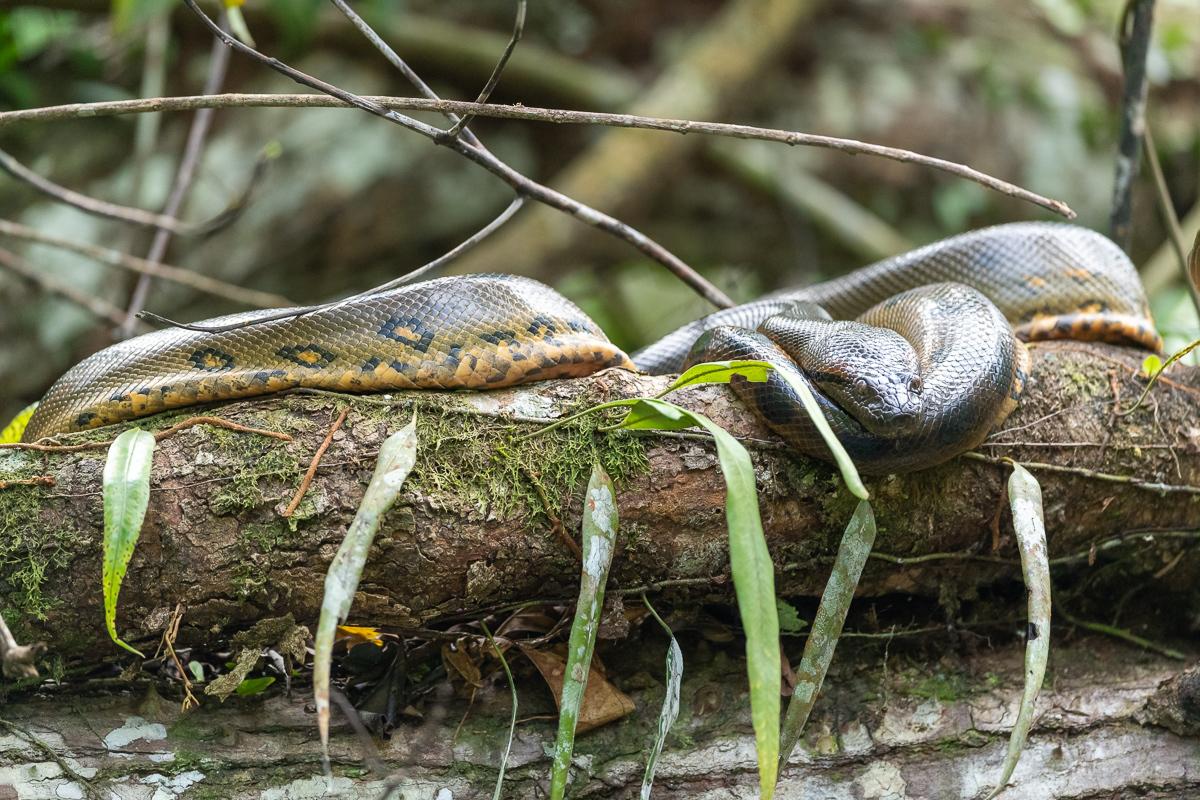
x,y
466,332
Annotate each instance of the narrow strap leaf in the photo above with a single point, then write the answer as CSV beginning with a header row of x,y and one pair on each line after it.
x,y
753,579
599,540
852,555
396,458
1025,498
126,489
670,706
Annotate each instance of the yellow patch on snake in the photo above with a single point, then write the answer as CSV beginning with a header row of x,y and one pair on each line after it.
x,y
210,361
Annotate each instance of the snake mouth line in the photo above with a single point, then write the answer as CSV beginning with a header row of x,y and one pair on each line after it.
x,y
1124,329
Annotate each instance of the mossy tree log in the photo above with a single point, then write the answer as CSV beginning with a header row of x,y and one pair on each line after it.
x,y
475,528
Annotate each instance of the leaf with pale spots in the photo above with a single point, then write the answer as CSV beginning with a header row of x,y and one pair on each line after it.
x,y
670,706
855,548
396,457
599,539
1025,500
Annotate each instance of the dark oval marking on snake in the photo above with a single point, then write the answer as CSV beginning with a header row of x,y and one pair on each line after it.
x,y
967,295
307,355
211,360
499,337
543,326
410,331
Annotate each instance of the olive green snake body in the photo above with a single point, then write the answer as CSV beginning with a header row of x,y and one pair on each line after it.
x,y
914,359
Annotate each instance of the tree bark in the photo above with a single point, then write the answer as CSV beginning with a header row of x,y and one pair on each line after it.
x,y
476,525
888,726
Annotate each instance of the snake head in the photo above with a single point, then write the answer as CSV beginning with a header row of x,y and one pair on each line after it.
x,y
872,373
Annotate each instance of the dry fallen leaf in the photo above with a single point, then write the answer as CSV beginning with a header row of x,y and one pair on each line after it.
x,y
602,702
457,657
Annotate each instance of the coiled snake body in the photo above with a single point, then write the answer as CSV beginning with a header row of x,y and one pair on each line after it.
x,y
932,362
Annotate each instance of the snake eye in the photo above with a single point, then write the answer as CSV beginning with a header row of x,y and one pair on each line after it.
x,y
915,384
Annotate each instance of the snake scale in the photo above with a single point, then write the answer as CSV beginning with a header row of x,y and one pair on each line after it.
x,y
914,359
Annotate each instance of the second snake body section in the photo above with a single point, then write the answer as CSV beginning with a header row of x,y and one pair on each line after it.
x,y
469,332
931,364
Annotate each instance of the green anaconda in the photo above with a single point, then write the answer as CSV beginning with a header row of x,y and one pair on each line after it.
x,y
914,359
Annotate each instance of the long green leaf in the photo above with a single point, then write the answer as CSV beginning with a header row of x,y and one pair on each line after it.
x,y
840,456
852,555
126,496
720,372
396,458
670,706
724,371
657,417
753,583
16,427
1025,499
599,540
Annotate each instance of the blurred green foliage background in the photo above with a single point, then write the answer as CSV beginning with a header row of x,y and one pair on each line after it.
x,y
1027,90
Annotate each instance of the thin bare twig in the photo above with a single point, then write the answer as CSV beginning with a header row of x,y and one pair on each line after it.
x,y
1120,633
399,63
185,277
99,208
316,462
1137,21
165,433
494,78
432,266
194,147
170,634
462,247
1170,218
103,208
51,285
512,177
36,480
556,524
1108,477
538,114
